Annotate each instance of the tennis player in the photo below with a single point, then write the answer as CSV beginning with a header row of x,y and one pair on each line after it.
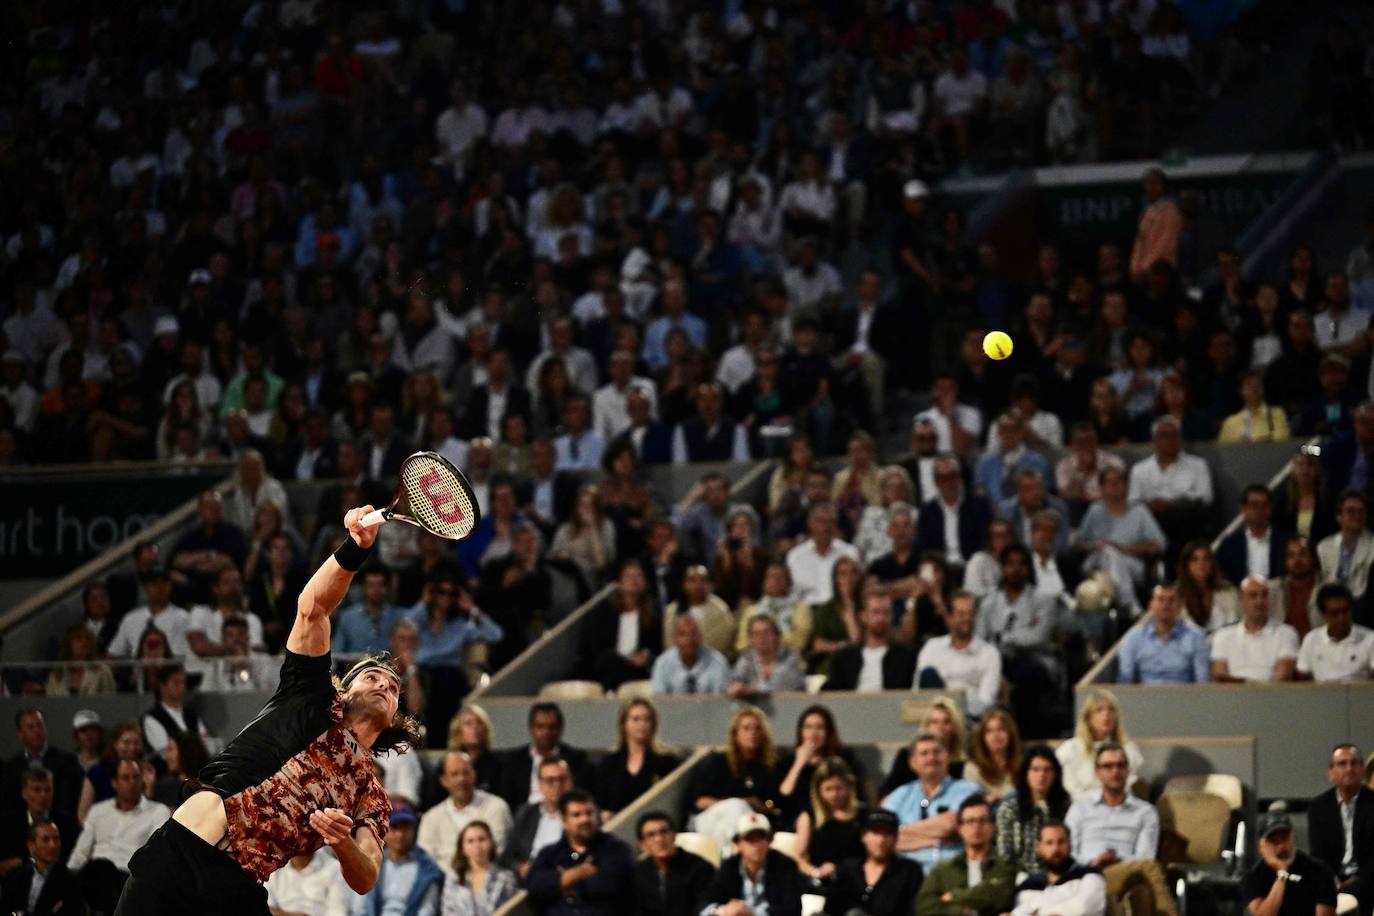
x,y
298,777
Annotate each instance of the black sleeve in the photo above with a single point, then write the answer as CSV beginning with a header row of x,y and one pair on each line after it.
x,y
303,673
724,887
1256,884
1326,837
1323,884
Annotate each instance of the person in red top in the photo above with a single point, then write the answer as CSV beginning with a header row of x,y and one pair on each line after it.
x,y
298,777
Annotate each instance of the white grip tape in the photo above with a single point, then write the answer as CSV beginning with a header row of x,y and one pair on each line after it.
x,y
374,518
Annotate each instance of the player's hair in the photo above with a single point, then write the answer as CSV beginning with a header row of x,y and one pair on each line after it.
x,y
404,731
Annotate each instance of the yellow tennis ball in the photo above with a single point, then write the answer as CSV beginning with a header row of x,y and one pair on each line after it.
x,y
997,345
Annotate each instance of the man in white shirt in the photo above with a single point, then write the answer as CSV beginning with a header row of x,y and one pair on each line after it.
x,y
441,825
458,128
1339,327
1255,648
812,284
581,365
957,426
308,883
736,366
961,660
1348,555
240,669
207,621
1341,650
610,410
114,830
1177,487
877,662
159,612
811,561
961,95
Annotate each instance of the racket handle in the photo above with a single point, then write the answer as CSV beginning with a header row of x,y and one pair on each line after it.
x,y
374,518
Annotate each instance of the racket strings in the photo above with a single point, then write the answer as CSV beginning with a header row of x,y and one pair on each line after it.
x,y
437,498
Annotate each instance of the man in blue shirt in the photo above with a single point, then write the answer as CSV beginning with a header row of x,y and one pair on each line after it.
x,y
1164,649
928,805
364,628
688,666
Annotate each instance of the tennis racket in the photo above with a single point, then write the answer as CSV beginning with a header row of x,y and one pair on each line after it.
x,y
431,494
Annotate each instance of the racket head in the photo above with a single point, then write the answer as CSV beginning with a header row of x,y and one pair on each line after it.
x,y
434,495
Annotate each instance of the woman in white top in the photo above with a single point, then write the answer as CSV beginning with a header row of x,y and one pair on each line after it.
x,y
1099,722
1208,600
983,573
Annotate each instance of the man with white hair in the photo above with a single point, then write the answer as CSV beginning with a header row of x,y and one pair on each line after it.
x,y
1255,648
610,408
811,561
1176,486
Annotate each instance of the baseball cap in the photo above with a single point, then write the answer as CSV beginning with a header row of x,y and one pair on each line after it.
x,y
167,324
402,813
1274,822
199,275
753,822
85,718
915,188
881,819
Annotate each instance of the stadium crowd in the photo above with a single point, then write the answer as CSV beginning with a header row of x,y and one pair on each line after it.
x,y
651,234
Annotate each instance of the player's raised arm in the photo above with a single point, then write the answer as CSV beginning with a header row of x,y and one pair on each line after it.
x,y
324,591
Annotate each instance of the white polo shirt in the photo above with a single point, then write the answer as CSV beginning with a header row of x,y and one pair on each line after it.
x,y
975,669
1351,659
1253,655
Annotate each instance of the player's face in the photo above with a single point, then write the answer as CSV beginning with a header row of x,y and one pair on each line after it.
x,y
378,691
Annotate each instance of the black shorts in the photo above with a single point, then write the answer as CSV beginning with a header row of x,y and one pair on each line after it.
x,y
176,872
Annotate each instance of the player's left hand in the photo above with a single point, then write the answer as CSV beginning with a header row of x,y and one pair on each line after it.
x,y
353,521
332,825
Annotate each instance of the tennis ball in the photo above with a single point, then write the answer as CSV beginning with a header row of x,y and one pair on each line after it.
x,y
997,345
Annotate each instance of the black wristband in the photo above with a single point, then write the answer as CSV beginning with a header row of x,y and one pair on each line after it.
x,y
350,556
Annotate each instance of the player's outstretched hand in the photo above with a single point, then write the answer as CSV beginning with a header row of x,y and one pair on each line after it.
x,y
332,825
353,521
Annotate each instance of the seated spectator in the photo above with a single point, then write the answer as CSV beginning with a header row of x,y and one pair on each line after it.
x,y
1208,600
307,883
1119,537
961,660
1055,571
880,881
454,637
211,546
811,561
626,499
757,878
578,447
1257,547
112,831
97,607
1039,799
126,743
1256,421
365,627
43,885
702,514
253,485
828,829
767,666
441,826
837,622
517,591
957,425
716,620
710,435
1293,595
1287,880
974,878
271,592
1078,475
788,522
925,610
227,602
1347,556
897,566
998,470
1345,459
1138,384
1030,498
1163,648
240,667
537,823
587,538
159,612
1257,648
74,678
872,537
1339,650
1323,402
1064,885
183,758
408,879
491,540
793,617
857,485
1175,486
983,573
624,634
668,880
168,715
35,805
519,781
1339,822
878,661
817,739
1303,506
688,666
1099,723
741,779
637,763
952,521
1022,626
920,467
927,804
651,440
1119,833
996,755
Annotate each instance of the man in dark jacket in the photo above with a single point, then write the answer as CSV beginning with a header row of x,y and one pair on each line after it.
x,y
756,876
37,791
1327,815
35,752
58,891
882,881
877,663
587,872
668,881
518,781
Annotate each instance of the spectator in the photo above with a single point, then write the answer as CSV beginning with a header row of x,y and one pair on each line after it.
x,y
1119,833
126,743
578,447
159,612
1256,648
475,884
537,823
1099,723
1029,500
625,633
169,717
1303,505
789,520
1257,548
961,660
587,539
211,546
240,668
1330,407
689,666
113,831
716,620
817,739
253,485
996,755
738,780
442,825
1176,486
1340,650
517,591
975,879
858,485
74,678
365,627
675,315
793,617
983,574
757,878
1347,556
767,666
878,662
1039,799
36,792
1256,421
1163,649
998,470
668,880
1065,885
957,425
408,880
709,435
1346,459
1285,879
35,753
610,408
1078,475
308,883
281,577
927,805
1209,601
920,467
42,886
207,621
486,409
1021,625
952,522
701,515
837,621
828,830
880,881
520,782
586,870
1161,224
1340,822
1293,595
637,763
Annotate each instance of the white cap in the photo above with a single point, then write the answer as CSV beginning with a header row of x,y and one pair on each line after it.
x,y
167,324
753,822
200,275
85,718
914,189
